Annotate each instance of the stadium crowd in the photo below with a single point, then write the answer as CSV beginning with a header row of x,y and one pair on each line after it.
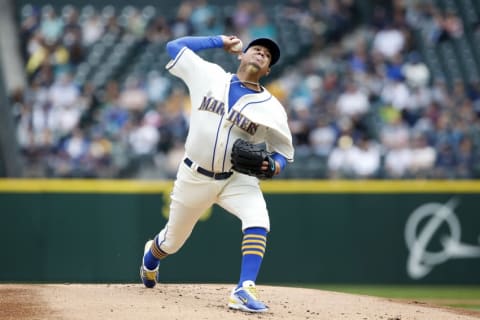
x,y
362,101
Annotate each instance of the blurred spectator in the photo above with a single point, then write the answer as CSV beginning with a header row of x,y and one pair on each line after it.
x,y
73,156
72,35
420,99
29,33
396,93
322,138
440,92
158,30
394,67
66,118
144,136
398,160
63,92
394,131
204,18
444,131
338,16
25,135
466,159
92,28
339,162
99,154
445,162
135,23
181,26
359,59
353,102
76,146
300,125
114,119
450,27
415,71
111,22
49,52
354,159
133,97
389,41
423,158
51,25
365,158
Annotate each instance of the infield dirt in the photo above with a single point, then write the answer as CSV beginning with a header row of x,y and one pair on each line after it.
x,y
203,301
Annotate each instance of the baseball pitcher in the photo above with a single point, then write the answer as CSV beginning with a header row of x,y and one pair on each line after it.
x,y
238,134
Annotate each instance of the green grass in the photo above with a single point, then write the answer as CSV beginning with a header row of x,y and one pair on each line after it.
x,y
409,292
465,297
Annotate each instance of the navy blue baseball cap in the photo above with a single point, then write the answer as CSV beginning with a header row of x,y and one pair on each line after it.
x,y
270,45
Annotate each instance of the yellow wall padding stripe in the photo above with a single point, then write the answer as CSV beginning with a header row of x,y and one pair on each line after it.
x,y
83,186
371,186
271,186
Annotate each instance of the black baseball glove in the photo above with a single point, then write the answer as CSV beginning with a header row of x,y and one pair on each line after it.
x,y
247,158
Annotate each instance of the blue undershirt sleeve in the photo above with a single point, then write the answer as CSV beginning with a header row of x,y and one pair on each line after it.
x,y
280,159
193,43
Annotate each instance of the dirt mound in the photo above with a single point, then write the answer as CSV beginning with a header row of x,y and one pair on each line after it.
x,y
200,301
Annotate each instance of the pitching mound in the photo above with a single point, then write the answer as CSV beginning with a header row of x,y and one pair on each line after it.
x,y
198,301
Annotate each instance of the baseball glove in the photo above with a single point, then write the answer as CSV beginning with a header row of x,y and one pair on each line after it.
x,y
248,158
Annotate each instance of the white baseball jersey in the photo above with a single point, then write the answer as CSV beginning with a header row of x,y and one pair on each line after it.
x,y
213,128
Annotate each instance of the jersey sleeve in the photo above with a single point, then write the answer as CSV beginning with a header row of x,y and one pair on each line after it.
x,y
280,159
192,69
281,143
193,43
278,134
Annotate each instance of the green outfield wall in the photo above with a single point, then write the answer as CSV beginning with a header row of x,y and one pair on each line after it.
x,y
412,232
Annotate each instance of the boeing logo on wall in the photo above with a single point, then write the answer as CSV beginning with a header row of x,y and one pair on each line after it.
x,y
419,235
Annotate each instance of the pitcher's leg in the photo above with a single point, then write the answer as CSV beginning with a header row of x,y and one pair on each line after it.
x,y
254,244
188,203
180,224
245,200
170,239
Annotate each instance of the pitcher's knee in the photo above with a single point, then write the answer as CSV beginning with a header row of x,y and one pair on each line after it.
x,y
169,246
171,249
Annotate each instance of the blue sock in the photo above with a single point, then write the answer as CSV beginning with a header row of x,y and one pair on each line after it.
x,y
152,258
253,248
150,261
